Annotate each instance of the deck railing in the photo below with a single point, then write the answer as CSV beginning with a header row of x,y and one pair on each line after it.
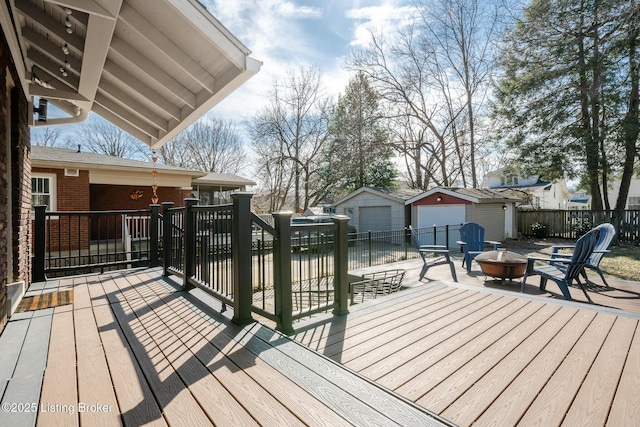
x,y
373,248
84,242
243,261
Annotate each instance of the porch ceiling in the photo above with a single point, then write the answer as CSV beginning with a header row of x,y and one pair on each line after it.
x,y
149,67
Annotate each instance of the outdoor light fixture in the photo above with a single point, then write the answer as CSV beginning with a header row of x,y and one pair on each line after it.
x,y
43,106
504,207
439,199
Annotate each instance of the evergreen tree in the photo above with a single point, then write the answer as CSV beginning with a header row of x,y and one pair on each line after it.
x,y
561,102
358,153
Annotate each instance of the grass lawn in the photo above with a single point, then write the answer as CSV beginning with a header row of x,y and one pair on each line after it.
x,y
622,263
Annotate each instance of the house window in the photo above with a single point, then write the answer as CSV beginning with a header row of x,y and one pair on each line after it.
x,y
43,191
634,203
508,180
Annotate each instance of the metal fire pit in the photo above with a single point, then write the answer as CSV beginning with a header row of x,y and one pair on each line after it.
x,y
502,264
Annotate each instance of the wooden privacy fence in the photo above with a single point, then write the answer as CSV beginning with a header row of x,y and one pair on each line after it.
x,y
571,224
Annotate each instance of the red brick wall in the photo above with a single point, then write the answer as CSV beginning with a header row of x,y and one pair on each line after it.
x,y
4,244
72,194
17,164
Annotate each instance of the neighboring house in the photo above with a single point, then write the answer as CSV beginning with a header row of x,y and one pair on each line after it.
x,y
579,201
535,193
216,188
633,198
71,180
149,67
376,210
453,206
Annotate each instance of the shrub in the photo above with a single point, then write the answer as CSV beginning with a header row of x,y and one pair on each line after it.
x,y
581,226
539,230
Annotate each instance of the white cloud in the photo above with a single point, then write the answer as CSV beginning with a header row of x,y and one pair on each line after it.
x,y
291,10
381,17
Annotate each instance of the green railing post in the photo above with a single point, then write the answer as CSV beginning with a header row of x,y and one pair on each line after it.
x,y
341,254
153,236
189,243
369,243
242,258
39,241
167,241
282,272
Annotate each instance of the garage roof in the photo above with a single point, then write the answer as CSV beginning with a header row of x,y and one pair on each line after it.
x,y
150,67
474,195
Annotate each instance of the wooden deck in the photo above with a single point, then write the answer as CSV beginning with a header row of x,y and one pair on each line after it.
x,y
483,356
135,349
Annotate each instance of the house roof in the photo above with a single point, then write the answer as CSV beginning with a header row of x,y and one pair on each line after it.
x,y
55,157
223,179
474,195
150,67
399,196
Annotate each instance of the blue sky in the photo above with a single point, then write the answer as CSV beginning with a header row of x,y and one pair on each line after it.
x,y
285,33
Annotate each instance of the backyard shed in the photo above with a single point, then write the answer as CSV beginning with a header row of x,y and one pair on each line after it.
x,y
372,209
454,206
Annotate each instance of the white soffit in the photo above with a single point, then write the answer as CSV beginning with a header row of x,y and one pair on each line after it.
x,y
151,67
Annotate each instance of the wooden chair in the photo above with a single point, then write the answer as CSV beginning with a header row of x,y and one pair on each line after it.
x,y
564,271
607,232
472,242
440,255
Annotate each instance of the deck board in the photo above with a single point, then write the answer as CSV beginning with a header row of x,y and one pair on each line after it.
x,y
516,398
59,396
597,391
625,409
439,326
529,360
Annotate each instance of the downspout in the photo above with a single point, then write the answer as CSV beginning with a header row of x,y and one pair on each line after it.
x,y
76,114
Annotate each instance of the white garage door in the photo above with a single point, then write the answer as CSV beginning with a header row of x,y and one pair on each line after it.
x,y
374,218
428,216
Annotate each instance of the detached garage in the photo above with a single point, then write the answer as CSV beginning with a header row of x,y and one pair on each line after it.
x,y
376,210
455,206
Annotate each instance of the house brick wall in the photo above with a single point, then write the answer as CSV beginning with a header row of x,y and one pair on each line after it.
x,y
72,195
4,243
14,168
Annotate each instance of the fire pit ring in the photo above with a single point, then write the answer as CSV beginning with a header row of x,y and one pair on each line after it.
x,y
502,264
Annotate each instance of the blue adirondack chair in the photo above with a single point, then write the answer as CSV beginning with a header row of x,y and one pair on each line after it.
x,y
472,242
564,271
607,232
440,252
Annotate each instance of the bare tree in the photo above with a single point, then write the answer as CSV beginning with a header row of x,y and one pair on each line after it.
x,y
433,73
209,145
102,137
46,137
294,125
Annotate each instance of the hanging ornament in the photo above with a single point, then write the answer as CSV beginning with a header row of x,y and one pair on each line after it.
x,y
154,187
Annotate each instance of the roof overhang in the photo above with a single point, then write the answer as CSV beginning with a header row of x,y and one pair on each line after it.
x,y
461,196
149,67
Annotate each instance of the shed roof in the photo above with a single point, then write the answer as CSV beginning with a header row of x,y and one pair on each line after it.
x,y
396,195
474,195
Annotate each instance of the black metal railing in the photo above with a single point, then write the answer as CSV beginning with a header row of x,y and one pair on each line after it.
x,y
67,243
373,248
